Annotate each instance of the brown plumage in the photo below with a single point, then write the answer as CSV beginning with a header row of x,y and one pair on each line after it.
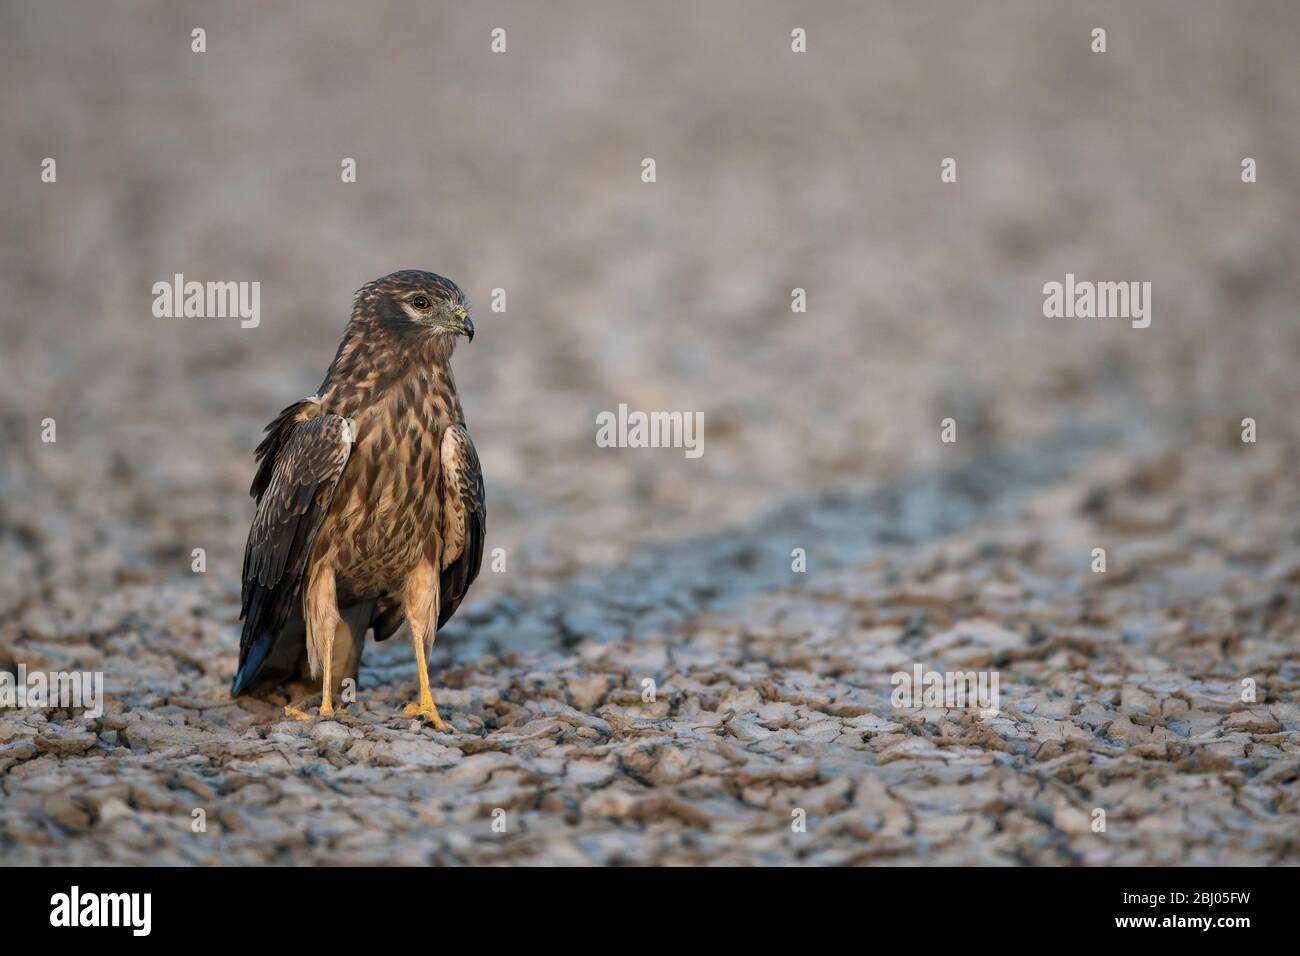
x,y
370,505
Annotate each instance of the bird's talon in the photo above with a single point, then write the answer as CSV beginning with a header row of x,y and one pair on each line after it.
x,y
295,713
430,713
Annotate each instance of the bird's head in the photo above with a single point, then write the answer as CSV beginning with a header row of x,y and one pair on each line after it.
x,y
416,301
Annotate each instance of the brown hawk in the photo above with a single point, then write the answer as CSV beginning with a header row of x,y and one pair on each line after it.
x,y
370,504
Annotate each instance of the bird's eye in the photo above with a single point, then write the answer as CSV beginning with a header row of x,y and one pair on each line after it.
x,y
421,302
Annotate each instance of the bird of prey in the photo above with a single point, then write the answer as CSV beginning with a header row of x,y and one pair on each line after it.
x,y
370,504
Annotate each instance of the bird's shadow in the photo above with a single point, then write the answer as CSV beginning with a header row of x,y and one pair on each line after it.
x,y
663,586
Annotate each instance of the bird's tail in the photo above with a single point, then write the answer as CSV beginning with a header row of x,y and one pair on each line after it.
x,y
275,657
278,657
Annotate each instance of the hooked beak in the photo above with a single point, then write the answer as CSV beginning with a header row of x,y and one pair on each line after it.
x,y
464,324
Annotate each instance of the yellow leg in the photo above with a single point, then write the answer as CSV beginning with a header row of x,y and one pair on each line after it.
x,y
326,706
321,612
425,707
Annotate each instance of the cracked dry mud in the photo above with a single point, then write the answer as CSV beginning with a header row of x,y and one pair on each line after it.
x,y
1120,691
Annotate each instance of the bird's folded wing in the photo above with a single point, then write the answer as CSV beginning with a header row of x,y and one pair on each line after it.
x,y
464,519
303,477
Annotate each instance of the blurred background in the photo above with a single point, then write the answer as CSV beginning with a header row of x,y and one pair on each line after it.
x,y
521,171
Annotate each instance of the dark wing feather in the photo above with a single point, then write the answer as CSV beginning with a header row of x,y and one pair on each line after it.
x,y
464,519
301,461
268,451
388,617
